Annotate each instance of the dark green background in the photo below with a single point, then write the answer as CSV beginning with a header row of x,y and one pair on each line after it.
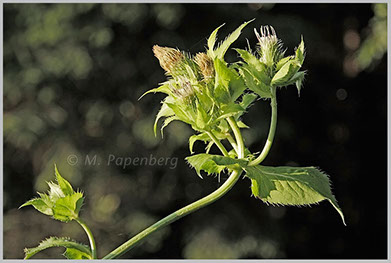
x,y
72,77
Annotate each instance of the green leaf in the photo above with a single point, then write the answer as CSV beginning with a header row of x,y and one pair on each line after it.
x,y
62,202
247,99
179,112
300,52
223,47
254,84
250,58
291,186
165,111
68,207
57,242
221,94
285,73
282,62
297,79
223,74
167,121
64,185
230,109
40,205
255,66
208,147
163,89
212,41
198,137
203,162
213,164
73,253
242,125
228,85
202,117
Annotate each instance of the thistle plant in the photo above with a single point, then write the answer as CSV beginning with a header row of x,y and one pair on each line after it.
x,y
211,95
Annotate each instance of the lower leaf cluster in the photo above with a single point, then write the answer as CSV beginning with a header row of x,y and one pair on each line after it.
x,y
283,185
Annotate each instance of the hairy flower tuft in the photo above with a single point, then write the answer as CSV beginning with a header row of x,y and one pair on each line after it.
x,y
269,45
206,65
185,90
169,58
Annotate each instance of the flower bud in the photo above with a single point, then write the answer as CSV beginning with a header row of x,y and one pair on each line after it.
x,y
206,65
269,45
169,58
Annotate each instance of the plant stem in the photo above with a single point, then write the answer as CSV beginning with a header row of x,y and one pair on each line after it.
x,y
90,237
272,131
222,190
218,143
232,142
238,136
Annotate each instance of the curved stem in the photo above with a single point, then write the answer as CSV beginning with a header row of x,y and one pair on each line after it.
x,y
222,190
272,131
90,237
238,136
232,142
218,143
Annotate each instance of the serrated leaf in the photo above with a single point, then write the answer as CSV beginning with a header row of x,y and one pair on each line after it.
x,y
198,137
282,62
249,58
67,208
179,112
163,89
57,242
247,99
40,205
213,164
64,185
203,162
202,117
228,85
255,66
165,111
254,84
221,94
73,253
300,52
291,186
298,80
61,202
230,109
285,73
167,121
223,74
223,47
212,41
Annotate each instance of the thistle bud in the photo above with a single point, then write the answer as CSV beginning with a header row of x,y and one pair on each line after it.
x,y
206,65
269,45
169,58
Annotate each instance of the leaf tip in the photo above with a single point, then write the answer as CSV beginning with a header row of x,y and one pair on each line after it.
x,y
145,93
23,205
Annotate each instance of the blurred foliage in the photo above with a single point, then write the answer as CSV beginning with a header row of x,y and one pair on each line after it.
x,y
375,45
72,77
